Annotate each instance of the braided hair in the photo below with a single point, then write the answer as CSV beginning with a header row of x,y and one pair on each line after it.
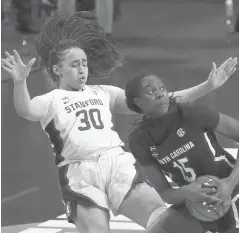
x,y
131,90
77,31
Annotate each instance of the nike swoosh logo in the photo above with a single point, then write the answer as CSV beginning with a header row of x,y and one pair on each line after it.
x,y
66,101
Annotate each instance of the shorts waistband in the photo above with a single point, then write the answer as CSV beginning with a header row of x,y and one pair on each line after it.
x,y
95,157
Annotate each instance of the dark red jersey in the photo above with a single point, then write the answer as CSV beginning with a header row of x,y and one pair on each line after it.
x,y
183,144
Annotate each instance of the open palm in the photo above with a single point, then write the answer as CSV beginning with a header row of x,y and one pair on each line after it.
x,y
14,65
218,77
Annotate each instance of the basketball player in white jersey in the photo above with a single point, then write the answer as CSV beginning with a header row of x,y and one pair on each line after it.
x,y
95,173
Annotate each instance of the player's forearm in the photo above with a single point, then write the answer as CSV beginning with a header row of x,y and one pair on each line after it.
x,y
21,99
174,196
193,93
233,179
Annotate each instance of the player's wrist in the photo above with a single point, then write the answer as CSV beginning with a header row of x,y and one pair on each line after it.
x,y
185,192
20,82
209,86
231,183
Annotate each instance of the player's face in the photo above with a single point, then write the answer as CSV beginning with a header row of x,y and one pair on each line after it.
x,y
73,69
153,98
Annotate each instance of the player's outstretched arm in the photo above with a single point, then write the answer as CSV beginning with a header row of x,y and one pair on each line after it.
x,y
30,109
217,78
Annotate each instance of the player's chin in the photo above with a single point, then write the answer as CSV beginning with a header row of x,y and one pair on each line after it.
x,y
81,81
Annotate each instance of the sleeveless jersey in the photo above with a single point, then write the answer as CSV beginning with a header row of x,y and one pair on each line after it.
x,y
79,124
183,145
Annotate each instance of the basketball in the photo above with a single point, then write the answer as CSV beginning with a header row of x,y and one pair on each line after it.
x,y
203,212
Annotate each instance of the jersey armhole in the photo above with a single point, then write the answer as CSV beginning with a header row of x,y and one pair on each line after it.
x,y
50,112
112,94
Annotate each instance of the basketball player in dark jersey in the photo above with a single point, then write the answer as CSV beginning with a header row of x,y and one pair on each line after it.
x,y
178,141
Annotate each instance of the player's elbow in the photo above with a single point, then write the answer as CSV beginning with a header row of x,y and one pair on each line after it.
x,y
26,114
228,127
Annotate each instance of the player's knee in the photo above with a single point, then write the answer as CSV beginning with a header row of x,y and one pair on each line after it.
x,y
155,215
89,218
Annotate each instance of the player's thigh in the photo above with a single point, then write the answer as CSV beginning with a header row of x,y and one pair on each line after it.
x,y
230,222
235,208
90,218
175,220
140,202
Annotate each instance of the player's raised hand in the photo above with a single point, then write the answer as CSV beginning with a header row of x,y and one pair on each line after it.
x,y
14,65
218,77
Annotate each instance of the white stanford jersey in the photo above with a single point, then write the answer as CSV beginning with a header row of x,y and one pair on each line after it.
x,y
79,124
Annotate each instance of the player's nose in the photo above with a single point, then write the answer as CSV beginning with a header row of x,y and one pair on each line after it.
x,y
159,94
80,71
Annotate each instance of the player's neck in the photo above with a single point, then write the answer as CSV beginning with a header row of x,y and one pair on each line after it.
x,y
160,114
70,88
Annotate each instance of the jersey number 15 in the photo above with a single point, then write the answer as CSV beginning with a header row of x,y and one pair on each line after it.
x,y
187,172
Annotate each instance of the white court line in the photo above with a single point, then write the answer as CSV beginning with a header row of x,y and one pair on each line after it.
x,y
20,194
113,225
40,230
232,151
57,223
119,218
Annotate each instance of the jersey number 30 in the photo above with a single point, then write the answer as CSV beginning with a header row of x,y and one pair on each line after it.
x,y
90,118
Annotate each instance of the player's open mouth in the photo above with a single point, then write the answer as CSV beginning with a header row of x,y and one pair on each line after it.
x,y
82,78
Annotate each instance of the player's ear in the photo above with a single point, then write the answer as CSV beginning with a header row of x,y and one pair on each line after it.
x,y
137,101
56,70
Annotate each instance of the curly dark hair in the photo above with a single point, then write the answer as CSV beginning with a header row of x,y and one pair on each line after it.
x,y
131,90
77,31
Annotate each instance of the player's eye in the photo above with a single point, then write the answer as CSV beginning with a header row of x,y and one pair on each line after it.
x,y
150,92
74,64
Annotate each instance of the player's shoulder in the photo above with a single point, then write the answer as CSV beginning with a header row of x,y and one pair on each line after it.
x,y
58,95
98,88
137,131
191,109
109,91
105,88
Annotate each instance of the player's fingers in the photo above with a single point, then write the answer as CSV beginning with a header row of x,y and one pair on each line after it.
x,y
231,72
231,65
213,70
10,57
210,203
214,67
17,56
224,64
7,63
31,62
208,199
6,69
208,190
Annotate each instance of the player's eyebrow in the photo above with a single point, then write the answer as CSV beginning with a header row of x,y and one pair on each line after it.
x,y
83,60
148,85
